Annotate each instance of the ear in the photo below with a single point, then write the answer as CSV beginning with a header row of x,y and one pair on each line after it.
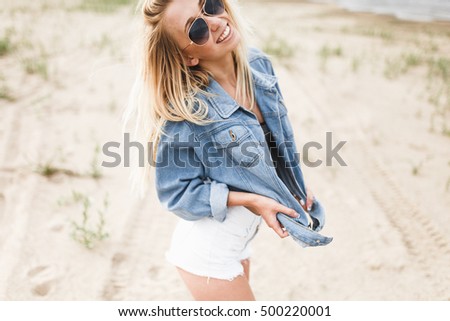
x,y
191,61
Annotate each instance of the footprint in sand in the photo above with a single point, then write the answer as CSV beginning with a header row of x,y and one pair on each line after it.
x,y
42,289
42,279
118,278
154,271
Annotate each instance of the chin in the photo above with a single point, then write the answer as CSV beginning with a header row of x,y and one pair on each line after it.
x,y
232,45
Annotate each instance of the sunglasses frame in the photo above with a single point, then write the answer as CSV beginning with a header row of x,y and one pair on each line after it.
x,y
202,13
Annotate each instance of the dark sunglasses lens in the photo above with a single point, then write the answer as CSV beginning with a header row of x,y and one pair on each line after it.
x,y
199,32
214,7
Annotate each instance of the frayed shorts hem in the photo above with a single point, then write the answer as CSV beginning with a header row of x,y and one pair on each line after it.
x,y
230,275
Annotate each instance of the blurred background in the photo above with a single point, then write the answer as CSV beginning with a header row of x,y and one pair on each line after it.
x,y
374,73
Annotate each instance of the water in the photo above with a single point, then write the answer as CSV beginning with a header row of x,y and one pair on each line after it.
x,y
418,10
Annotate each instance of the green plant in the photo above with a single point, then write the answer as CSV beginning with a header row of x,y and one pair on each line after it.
x,y
103,6
445,130
112,106
104,42
75,197
440,68
326,52
412,60
375,32
396,66
5,45
95,171
5,94
416,169
439,91
36,65
83,232
356,63
48,169
392,68
278,47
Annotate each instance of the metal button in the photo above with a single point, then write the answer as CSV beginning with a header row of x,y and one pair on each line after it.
x,y
232,135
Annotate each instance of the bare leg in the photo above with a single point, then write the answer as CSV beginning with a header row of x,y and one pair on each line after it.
x,y
216,289
246,264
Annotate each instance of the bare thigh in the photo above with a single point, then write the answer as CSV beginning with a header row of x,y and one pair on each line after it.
x,y
219,290
246,264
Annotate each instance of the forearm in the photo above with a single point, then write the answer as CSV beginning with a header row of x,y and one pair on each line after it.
x,y
241,198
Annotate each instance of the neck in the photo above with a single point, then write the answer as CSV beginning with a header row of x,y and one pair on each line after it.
x,y
223,71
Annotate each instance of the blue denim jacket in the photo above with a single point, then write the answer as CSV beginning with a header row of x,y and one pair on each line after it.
x,y
196,166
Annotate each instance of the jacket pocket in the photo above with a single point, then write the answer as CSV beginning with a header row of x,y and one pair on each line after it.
x,y
237,143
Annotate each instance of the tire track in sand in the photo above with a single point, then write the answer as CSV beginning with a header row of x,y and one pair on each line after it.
x,y
124,262
423,240
426,244
19,188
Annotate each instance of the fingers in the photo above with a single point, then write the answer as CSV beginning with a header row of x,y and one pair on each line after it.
x,y
281,233
309,202
288,211
302,203
274,224
309,199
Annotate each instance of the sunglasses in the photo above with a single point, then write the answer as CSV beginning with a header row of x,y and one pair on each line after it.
x,y
199,30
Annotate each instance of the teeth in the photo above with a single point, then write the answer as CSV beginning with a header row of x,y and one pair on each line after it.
x,y
225,34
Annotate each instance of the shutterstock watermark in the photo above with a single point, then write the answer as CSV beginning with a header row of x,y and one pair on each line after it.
x,y
186,152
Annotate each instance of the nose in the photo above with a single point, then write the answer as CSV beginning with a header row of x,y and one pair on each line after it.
x,y
215,23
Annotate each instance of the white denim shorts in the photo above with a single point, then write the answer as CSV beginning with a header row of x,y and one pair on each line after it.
x,y
210,248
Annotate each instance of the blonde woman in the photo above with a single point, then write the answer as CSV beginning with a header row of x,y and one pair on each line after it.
x,y
222,143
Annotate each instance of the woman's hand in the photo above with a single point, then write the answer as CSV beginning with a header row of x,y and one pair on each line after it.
x,y
268,209
309,200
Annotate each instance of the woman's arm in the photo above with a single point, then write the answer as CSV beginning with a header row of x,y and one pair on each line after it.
x,y
181,182
264,206
241,198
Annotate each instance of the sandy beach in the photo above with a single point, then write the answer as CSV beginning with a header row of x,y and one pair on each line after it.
x,y
71,229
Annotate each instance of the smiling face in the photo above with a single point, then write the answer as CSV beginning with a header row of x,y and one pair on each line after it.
x,y
223,36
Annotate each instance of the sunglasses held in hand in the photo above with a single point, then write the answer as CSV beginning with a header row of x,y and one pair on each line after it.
x,y
199,30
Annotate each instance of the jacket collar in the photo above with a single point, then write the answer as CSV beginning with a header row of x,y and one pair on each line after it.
x,y
224,104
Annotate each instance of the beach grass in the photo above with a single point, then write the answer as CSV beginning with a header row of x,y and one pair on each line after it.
x,y
5,93
278,47
104,42
85,232
355,64
6,45
37,65
103,6
397,66
369,31
326,52
95,171
48,169
440,67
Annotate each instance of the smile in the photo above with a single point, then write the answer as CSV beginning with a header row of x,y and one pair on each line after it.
x,y
225,35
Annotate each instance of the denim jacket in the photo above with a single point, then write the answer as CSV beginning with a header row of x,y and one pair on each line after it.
x,y
197,165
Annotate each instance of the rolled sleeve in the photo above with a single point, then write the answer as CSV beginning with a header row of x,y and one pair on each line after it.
x,y
181,183
219,199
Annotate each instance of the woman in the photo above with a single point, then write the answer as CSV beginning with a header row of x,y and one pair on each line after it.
x,y
209,106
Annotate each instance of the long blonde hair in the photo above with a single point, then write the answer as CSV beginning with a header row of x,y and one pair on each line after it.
x,y
165,88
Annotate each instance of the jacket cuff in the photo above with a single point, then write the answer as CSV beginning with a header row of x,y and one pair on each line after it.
x,y
218,199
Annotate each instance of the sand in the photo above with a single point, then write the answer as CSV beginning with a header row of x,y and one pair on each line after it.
x,y
365,78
